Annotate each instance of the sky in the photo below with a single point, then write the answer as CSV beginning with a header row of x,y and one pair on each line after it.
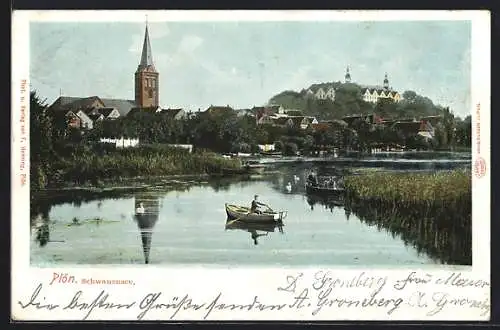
x,y
245,63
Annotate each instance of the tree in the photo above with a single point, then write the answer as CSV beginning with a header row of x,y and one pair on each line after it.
x,y
278,146
386,108
409,96
463,132
41,148
290,149
290,100
449,126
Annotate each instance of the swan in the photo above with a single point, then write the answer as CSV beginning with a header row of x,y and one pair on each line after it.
x,y
289,186
140,209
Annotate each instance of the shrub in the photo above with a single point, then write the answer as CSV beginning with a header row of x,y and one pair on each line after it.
x,y
290,149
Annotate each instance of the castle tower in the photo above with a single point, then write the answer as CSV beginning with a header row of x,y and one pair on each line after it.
x,y
386,82
146,78
347,76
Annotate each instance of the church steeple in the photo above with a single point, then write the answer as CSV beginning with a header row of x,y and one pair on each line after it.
x,y
147,54
347,75
146,77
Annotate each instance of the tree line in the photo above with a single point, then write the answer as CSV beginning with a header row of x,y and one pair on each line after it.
x,y
52,140
349,100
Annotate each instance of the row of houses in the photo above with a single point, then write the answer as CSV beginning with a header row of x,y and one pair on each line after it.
x,y
274,115
424,126
85,112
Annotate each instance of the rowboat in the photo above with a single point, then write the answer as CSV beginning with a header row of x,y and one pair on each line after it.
x,y
320,189
268,227
242,213
255,168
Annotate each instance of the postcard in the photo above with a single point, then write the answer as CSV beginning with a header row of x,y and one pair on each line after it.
x,y
250,165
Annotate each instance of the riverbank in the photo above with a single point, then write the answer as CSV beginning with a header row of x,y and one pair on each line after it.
x,y
432,211
98,167
424,188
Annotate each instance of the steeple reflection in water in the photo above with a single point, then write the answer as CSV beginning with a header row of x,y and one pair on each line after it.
x,y
146,214
256,230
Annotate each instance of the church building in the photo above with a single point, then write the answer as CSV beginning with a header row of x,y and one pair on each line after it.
x,y
146,78
147,95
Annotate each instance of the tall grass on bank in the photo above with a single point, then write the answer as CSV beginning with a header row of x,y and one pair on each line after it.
x,y
90,165
432,211
406,187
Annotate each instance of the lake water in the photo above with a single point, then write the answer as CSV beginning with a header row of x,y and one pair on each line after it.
x,y
186,224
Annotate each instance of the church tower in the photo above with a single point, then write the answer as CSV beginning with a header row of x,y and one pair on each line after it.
x,y
347,76
146,78
386,82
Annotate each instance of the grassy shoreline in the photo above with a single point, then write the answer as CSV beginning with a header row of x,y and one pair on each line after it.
x,y
431,211
90,167
407,187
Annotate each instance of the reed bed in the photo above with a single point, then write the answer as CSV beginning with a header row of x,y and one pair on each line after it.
x,y
444,240
137,162
444,186
431,211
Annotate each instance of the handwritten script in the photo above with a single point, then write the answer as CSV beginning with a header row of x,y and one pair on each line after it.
x,y
313,294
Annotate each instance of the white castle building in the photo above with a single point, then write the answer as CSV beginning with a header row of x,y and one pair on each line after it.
x,y
370,94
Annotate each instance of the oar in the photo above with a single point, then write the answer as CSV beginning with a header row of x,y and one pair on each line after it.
x,y
270,209
232,221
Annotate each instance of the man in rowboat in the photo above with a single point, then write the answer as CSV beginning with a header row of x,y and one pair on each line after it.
x,y
312,179
254,208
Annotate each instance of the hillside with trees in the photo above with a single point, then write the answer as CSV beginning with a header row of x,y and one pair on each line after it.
x,y
349,101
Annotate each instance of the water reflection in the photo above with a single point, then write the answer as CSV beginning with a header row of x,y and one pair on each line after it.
x,y
291,178
444,241
40,221
147,210
256,230
41,226
328,202
444,233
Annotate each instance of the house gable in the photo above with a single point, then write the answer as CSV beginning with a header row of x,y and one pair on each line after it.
x,y
72,119
96,117
85,121
114,114
176,114
320,93
267,119
330,93
123,106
